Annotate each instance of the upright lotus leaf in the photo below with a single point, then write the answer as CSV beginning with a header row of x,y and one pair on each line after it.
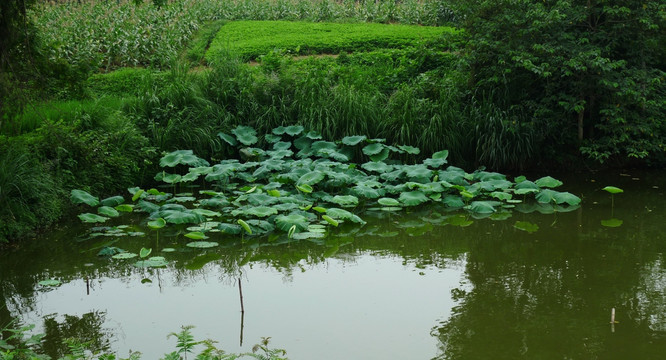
x,y
304,188
337,213
373,149
157,223
519,179
282,145
526,226
182,157
261,211
313,135
207,213
230,229
413,198
353,140
613,189
228,138
333,154
189,177
546,196
222,171
500,195
280,154
311,178
148,206
171,178
566,198
418,173
483,207
284,222
293,130
330,220
381,156
261,199
272,139
144,252
261,226
409,149
82,197
245,226
487,176
245,134
388,202
438,159
526,187
345,200
92,218
393,175
125,208
366,192
278,130
182,217
378,166
453,201
108,211
113,201
548,182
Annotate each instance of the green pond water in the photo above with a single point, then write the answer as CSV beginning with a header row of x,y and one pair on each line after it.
x,y
408,285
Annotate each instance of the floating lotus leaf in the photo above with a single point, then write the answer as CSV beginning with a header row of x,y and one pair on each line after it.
x,y
483,207
168,250
110,251
611,223
50,282
82,197
378,166
108,211
613,189
228,138
246,135
345,200
502,215
373,149
438,159
353,140
311,178
261,211
92,218
409,149
388,202
182,157
196,235
459,220
113,201
125,208
202,244
293,130
413,198
308,235
153,262
124,255
391,208
548,182
284,222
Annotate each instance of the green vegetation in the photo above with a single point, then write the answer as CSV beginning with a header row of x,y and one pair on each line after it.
x,y
251,39
20,345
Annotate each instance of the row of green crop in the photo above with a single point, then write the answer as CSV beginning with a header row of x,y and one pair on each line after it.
x,y
251,39
109,34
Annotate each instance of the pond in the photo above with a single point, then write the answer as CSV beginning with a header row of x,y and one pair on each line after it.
x,y
410,284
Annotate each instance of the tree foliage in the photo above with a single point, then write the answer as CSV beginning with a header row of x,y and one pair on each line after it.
x,y
588,74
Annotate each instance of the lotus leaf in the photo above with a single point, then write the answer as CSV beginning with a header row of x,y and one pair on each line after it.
x,y
207,213
383,155
281,145
526,226
145,252
413,198
124,255
308,235
153,262
345,200
366,192
50,282
245,226
546,196
409,149
171,178
419,173
566,198
168,250
519,179
230,229
293,130
189,177
373,149
261,226
246,135
279,130
483,207
92,218
228,138
182,157
113,201
271,139
110,251
438,159
82,197
388,202
378,166
314,135
181,199
284,222
261,211
501,195
330,220
216,202
353,140
548,182
613,189
181,216
305,188
196,235
125,208
459,220
311,178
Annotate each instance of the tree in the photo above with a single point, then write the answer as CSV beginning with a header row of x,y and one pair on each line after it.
x,y
589,74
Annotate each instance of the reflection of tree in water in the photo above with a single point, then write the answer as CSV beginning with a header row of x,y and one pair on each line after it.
x,y
549,295
87,329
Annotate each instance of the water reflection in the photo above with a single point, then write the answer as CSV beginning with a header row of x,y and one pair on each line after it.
x,y
416,284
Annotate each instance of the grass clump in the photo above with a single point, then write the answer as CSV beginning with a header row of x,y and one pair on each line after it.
x,y
250,39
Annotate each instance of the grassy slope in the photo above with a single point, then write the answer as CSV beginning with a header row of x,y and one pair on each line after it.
x,y
251,39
